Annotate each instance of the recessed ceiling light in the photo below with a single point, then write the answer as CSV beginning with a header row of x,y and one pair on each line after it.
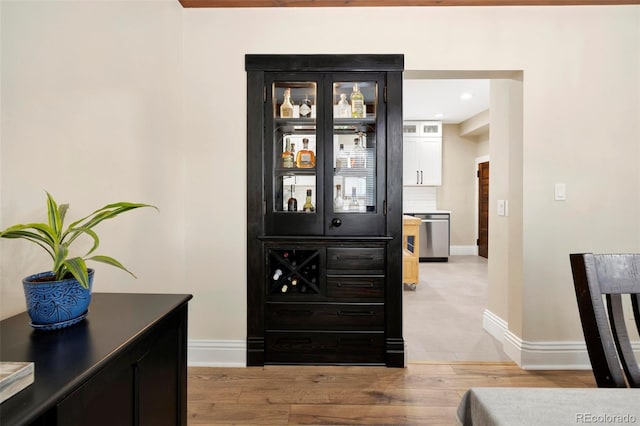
x,y
439,115
466,96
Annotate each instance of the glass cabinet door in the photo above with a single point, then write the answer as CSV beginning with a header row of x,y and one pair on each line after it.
x,y
355,204
293,199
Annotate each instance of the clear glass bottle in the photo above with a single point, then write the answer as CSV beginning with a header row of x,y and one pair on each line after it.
x,y
288,159
305,107
358,155
357,102
308,205
344,109
286,109
353,203
305,159
342,159
338,202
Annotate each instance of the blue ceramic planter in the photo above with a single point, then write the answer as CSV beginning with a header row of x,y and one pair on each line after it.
x,y
56,304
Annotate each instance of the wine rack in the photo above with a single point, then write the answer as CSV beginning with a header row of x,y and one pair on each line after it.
x,y
293,272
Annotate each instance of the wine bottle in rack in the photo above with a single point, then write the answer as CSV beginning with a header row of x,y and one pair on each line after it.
x,y
277,274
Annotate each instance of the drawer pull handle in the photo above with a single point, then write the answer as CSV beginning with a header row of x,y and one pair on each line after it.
x,y
356,313
355,341
293,341
293,312
356,285
355,258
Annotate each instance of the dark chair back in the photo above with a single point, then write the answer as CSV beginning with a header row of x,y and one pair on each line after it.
x,y
605,332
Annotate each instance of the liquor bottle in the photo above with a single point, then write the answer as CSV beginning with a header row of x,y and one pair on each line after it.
x,y
305,107
344,109
308,205
357,102
293,152
292,202
338,202
353,204
287,156
305,159
286,109
342,160
357,156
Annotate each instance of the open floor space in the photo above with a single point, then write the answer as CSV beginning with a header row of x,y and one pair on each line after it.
x,y
421,394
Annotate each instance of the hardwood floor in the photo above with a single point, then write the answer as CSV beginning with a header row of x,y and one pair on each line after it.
x,y
421,394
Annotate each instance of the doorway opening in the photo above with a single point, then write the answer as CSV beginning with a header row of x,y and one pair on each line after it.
x,y
444,317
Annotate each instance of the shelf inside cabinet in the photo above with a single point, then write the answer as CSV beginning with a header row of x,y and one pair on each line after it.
x,y
298,126
281,171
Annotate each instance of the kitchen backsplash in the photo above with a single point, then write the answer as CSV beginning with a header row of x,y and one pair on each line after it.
x,y
419,199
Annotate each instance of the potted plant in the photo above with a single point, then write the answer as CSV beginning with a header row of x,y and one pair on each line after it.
x,y
61,297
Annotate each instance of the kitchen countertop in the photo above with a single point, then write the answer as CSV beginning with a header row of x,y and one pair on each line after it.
x,y
429,212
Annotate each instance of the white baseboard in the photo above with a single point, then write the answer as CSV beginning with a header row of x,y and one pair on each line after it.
x,y
494,325
217,353
565,355
463,250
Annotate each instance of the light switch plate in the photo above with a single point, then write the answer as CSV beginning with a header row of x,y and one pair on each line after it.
x,y
501,207
560,192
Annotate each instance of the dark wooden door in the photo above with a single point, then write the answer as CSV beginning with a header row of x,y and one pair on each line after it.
x,y
483,209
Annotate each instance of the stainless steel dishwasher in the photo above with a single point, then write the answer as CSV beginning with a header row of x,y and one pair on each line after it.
x,y
434,237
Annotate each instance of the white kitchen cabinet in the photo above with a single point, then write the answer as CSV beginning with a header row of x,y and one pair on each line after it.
x,y
422,161
422,128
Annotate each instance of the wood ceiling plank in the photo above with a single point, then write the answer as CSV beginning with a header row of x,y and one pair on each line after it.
x,y
374,3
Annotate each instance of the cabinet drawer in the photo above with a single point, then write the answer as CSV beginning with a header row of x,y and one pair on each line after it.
x,y
361,286
320,347
356,259
330,316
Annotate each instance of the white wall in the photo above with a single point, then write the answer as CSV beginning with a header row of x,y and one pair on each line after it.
x,y
92,112
157,94
457,192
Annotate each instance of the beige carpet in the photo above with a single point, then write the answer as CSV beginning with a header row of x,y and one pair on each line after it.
x,y
443,316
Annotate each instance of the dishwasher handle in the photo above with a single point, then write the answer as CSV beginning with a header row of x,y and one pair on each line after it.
x,y
434,220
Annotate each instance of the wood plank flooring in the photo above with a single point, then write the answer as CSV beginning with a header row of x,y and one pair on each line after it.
x,y
421,394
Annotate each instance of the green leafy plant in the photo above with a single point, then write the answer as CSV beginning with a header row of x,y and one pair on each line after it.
x,y
55,239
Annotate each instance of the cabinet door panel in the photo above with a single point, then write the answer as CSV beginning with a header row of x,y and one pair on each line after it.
x,y
430,155
158,376
410,162
355,157
107,399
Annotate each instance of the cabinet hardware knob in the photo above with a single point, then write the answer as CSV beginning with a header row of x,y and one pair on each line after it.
x,y
336,222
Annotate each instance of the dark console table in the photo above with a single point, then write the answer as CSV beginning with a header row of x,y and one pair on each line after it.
x,y
125,364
